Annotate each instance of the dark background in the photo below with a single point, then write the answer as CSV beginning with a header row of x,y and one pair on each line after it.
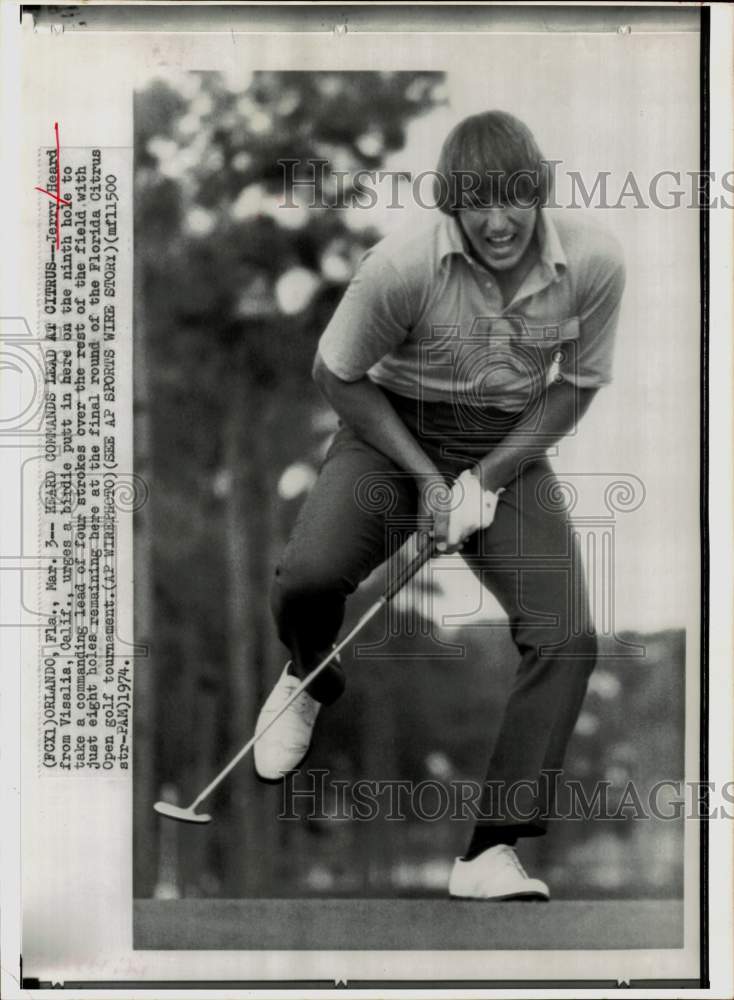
x,y
230,300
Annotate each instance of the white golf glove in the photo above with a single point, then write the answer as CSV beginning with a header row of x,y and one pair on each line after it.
x,y
472,508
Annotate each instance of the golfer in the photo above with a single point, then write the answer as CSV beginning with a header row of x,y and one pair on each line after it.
x,y
461,351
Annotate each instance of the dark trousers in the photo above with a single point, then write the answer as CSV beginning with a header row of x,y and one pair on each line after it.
x,y
528,559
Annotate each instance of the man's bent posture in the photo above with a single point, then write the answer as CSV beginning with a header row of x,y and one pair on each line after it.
x,y
459,353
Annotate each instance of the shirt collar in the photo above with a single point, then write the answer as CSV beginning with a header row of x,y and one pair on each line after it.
x,y
552,255
450,237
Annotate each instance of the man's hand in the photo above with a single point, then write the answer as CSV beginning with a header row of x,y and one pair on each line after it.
x,y
434,507
457,513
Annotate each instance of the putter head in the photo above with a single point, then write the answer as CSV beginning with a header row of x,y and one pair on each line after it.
x,y
183,815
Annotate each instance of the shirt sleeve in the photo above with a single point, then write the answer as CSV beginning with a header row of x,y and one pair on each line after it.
x,y
372,319
590,364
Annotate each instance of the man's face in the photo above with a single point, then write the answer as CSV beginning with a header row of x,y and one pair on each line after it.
x,y
500,235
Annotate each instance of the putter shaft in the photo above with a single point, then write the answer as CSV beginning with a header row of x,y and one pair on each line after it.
x,y
295,693
405,564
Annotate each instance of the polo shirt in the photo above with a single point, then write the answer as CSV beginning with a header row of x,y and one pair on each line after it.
x,y
423,319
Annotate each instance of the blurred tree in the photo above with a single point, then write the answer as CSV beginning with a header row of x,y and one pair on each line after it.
x,y
236,289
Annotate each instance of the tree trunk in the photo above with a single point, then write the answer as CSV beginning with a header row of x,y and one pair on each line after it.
x,y
248,855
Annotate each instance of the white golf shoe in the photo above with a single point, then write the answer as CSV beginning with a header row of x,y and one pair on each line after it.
x,y
284,746
495,874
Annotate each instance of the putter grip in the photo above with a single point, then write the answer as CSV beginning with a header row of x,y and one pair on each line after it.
x,y
406,562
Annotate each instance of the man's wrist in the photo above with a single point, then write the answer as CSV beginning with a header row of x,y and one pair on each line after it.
x,y
489,477
427,478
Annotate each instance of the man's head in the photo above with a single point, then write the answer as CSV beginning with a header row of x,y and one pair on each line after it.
x,y
492,176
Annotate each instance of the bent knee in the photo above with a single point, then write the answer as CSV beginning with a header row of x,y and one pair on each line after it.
x,y
579,648
299,583
584,648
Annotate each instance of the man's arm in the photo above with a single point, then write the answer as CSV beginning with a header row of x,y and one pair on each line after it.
x,y
363,406
587,369
565,404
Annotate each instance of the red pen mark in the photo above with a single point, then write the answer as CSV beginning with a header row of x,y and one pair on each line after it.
x,y
56,196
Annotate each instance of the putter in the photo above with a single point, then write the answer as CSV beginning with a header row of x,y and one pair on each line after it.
x,y
406,562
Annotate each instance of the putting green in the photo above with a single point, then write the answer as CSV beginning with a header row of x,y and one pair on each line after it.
x,y
405,924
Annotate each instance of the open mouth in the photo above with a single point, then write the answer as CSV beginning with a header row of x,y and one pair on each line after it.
x,y
501,241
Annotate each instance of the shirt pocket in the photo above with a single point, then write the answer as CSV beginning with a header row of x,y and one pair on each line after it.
x,y
549,349
552,339
563,350
559,348
552,335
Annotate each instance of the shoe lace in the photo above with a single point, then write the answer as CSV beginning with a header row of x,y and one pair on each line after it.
x,y
510,858
302,705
